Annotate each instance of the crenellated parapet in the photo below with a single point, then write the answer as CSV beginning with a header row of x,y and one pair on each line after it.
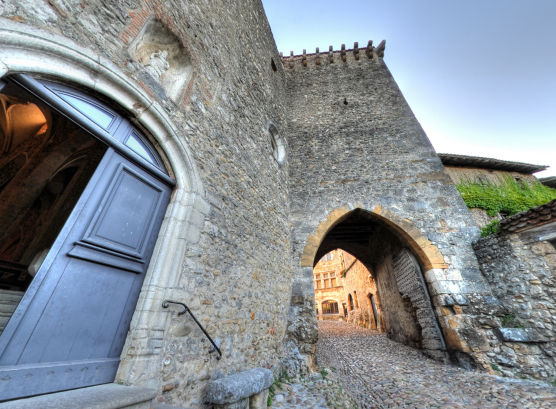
x,y
335,56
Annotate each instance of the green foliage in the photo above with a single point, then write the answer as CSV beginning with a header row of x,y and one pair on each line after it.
x,y
491,228
510,321
495,367
323,373
276,384
509,197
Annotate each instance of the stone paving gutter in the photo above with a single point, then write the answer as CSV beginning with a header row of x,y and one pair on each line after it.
x,y
364,369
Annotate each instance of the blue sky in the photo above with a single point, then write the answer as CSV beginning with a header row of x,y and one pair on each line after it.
x,y
480,75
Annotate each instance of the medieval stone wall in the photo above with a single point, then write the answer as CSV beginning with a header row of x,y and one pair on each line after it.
x,y
215,70
341,275
354,143
212,73
468,174
522,272
358,282
328,285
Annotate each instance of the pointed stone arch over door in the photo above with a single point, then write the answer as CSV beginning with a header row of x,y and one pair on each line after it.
x,y
69,329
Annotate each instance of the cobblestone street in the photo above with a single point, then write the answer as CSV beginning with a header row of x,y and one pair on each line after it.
x,y
367,370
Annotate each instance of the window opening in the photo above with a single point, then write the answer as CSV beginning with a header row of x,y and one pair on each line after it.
x,y
137,143
277,143
330,307
91,111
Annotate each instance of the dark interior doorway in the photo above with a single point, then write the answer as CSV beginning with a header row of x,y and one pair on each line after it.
x,y
45,164
82,197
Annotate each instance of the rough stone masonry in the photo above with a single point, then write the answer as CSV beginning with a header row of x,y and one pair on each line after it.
x,y
355,145
274,159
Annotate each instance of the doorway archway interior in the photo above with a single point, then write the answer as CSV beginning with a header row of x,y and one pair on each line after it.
x,y
82,196
406,313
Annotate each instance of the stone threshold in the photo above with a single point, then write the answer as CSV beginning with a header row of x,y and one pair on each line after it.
x,y
108,396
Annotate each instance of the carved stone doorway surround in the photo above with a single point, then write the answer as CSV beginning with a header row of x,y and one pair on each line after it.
x,y
24,49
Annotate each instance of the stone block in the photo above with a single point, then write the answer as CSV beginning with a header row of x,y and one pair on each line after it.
x,y
475,339
259,401
454,341
434,274
241,404
551,260
460,299
445,287
519,335
239,386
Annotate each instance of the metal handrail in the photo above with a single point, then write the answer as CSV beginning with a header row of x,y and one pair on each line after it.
x,y
166,304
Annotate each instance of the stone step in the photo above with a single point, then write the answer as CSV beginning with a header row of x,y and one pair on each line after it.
x,y
10,296
166,406
9,300
109,396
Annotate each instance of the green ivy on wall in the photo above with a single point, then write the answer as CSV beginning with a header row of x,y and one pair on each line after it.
x,y
507,198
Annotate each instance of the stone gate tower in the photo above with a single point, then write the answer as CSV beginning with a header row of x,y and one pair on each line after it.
x,y
365,178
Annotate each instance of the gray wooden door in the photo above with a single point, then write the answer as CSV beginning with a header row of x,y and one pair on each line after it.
x,y
70,327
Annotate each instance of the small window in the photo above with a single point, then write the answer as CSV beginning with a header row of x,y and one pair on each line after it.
x,y
277,143
140,148
330,307
102,115
92,111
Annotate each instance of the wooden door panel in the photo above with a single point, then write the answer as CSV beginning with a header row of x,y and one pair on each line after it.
x,y
124,218
24,380
75,320
87,332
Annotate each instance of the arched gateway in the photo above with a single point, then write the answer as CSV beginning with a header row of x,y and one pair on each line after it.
x,y
396,262
90,192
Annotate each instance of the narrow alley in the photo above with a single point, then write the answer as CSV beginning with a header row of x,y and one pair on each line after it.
x,y
364,369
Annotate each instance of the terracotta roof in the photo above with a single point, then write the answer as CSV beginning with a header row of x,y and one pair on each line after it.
x,y
549,181
534,217
449,159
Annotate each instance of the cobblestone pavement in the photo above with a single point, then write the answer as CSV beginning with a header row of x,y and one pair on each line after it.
x,y
375,372
312,392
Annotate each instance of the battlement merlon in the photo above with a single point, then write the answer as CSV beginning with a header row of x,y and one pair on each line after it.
x,y
332,56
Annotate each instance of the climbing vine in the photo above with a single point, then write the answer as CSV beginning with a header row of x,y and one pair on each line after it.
x,y
508,197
